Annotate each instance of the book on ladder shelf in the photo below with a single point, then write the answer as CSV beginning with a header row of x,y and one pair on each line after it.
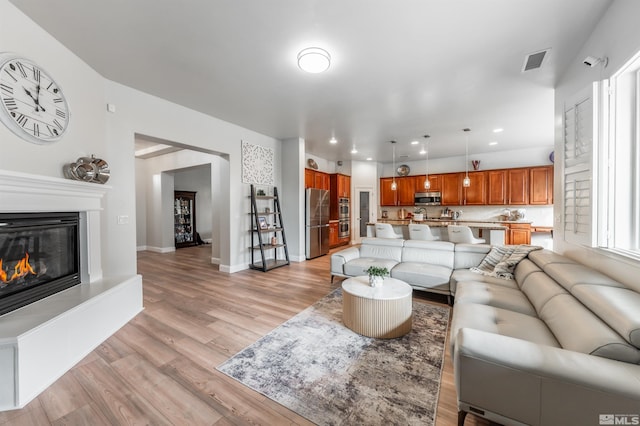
x,y
268,239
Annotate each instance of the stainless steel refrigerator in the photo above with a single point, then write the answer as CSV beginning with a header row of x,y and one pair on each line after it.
x,y
317,222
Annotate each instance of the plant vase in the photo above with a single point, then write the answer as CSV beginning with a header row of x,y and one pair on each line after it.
x,y
376,280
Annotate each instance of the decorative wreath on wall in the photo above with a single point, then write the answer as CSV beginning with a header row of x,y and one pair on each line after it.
x,y
257,164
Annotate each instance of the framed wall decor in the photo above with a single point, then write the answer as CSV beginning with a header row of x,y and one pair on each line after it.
x,y
262,222
257,164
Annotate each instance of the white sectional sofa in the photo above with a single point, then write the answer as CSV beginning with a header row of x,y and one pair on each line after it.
x,y
557,345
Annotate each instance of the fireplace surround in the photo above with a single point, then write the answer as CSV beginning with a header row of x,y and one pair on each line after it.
x,y
42,340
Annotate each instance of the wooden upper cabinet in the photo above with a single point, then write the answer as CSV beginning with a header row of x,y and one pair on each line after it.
x,y
344,186
476,193
406,190
402,196
387,196
309,178
541,185
451,189
434,180
518,186
497,187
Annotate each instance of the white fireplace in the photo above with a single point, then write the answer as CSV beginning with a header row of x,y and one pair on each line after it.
x,y
41,341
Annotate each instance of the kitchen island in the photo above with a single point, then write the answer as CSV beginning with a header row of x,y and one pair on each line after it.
x,y
494,232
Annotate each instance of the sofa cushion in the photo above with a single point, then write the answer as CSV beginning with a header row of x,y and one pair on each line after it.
x,y
433,252
618,307
524,269
500,321
469,255
494,295
359,266
540,288
422,274
461,275
382,248
568,275
578,329
543,258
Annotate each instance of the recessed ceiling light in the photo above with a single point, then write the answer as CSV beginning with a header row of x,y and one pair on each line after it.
x,y
333,140
354,150
423,151
369,158
498,130
414,142
493,143
314,60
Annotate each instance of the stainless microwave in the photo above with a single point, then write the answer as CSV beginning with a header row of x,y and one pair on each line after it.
x,y
427,199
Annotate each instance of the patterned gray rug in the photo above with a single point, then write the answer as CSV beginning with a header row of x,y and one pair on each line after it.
x,y
315,366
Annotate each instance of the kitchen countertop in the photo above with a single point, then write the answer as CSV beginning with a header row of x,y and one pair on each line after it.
x,y
447,222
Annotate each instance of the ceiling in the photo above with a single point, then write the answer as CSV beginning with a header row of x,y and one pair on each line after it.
x,y
399,69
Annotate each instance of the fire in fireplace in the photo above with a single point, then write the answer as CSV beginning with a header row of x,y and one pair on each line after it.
x,y
39,256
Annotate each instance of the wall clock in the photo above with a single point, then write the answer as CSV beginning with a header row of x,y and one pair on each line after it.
x,y
33,105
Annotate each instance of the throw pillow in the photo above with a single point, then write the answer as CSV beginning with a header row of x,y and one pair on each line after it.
x,y
509,257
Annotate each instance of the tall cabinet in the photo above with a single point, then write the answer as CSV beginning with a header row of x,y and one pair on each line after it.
x,y
184,218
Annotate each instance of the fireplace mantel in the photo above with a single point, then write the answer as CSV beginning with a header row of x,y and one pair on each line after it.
x,y
42,341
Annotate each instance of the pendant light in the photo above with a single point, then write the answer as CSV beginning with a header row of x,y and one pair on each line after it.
x,y
427,184
466,182
393,184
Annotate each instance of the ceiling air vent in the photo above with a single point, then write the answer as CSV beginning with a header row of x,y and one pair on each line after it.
x,y
533,61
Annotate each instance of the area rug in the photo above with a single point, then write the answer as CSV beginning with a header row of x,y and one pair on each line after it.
x,y
318,368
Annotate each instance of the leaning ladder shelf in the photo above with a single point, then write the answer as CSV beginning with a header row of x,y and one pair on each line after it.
x,y
267,232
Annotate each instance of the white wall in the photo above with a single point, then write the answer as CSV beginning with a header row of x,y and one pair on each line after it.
x,y
617,36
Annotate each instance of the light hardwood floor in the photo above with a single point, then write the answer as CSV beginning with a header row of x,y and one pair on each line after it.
x,y
160,368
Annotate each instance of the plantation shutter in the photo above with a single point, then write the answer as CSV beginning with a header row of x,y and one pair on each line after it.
x,y
580,126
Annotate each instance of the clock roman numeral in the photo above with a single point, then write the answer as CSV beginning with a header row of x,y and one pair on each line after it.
x,y
21,68
52,131
6,89
11,75
57,124
10,103
36,74
22,120
61,113
36,129
57,100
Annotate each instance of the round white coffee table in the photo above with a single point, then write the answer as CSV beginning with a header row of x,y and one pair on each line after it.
x,y
383,312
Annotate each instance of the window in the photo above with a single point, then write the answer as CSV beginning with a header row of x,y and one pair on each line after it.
x,y
619,190
602,164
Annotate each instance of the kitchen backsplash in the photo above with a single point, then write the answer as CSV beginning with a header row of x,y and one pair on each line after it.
x,y
538,215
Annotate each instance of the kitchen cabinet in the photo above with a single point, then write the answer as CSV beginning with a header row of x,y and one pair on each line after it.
x,y
476,193
518,186
316,179
402,196
184,218
518,233
434,180
541,185
497,187
333,234
340,185
451,189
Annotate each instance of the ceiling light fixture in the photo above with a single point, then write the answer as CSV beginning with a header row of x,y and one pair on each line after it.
x,y
427,184
466,182
369,158
393,184
498,130
493,143
314,60
354,150
333,141
414,142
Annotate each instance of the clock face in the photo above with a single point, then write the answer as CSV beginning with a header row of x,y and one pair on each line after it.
x,y
33,105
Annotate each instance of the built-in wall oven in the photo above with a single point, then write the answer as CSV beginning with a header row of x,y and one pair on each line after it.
x,y
343,208
343,228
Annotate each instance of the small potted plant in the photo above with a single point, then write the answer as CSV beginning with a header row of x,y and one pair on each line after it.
x,y
376,275
418,213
